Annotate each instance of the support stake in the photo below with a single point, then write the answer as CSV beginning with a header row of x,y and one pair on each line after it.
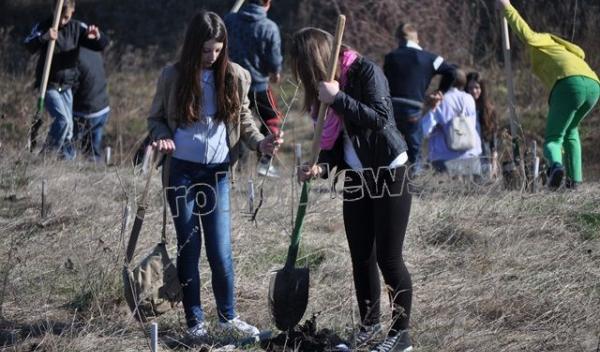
x,y
154,337
107,155
44,211
251,196
536,167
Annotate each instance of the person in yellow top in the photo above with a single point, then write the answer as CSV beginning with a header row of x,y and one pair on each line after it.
x,y
574,91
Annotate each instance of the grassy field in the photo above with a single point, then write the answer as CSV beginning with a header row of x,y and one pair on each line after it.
x,y
492,270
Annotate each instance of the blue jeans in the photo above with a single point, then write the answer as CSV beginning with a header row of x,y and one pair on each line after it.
x,y
410,128
88,132
198,196
60,106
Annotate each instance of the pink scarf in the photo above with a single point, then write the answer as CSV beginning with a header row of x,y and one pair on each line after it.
x,y
333,121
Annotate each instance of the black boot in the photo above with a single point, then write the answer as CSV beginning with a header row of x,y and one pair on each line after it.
x,y
555,176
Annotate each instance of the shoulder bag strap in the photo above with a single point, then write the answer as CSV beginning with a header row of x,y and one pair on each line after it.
x,y
166,165
139,216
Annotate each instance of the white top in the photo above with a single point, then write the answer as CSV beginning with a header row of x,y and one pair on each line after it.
x,y
204,141
351,158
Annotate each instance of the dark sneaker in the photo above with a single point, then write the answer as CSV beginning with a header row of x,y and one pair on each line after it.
x,y
572,185
555,176
367,334
397,343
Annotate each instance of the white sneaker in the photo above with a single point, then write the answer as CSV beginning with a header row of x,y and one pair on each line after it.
x,y
238,326
264,169
198,332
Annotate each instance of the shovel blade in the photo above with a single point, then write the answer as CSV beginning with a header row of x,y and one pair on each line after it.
x,y
288,296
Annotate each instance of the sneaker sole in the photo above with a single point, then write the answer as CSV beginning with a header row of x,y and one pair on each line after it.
x,y
407,349
264,174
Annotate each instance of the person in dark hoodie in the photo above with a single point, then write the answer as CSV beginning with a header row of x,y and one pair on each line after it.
x,y
255,44
409,70
71,35
90,103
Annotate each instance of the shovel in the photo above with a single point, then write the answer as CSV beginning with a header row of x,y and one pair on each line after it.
x,y
36,122
237,5
514,123
288,288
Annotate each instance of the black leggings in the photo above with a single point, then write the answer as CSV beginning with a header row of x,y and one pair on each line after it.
x,y
375,225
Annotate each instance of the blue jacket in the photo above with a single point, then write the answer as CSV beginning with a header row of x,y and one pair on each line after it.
x,y
254,44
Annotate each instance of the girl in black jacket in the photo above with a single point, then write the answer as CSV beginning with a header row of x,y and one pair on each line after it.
x,y
361,137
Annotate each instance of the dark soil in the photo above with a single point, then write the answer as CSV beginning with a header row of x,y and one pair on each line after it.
x,y
307,338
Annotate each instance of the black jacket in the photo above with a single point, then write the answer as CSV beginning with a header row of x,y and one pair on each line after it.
x,y
91,93
409,72
63,72
366,108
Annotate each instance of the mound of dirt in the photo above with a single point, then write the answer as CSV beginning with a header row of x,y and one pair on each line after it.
x,y
306,337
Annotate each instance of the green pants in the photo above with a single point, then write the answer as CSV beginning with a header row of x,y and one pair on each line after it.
x,y
572,99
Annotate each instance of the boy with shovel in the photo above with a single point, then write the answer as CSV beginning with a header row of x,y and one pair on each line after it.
x,y
71,34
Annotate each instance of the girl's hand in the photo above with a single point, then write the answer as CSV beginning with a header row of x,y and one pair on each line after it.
x,y
166,146
328,91
52,34
271,143
93,32
306,172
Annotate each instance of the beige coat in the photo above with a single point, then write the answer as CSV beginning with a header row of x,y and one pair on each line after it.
x,y
162,122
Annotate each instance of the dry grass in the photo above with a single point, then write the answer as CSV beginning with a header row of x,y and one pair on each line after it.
x,y
492,270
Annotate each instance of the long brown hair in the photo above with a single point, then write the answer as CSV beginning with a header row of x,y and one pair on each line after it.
x,y
485,109
310,52
204,26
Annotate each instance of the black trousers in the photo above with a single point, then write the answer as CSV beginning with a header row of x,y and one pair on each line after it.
x,y
375,220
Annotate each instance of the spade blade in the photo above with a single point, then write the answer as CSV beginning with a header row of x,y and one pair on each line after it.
x,y
288,296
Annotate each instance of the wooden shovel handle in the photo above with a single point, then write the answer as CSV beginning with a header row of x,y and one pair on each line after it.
x,y
237,5
50,51
331,69
509,77
316,148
